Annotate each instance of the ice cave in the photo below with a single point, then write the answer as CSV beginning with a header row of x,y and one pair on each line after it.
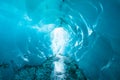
x,y
59,39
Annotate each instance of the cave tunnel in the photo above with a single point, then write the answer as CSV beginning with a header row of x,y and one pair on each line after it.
x,y
59,39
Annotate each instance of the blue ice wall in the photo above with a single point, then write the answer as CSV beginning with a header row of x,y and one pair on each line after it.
x,y
93,26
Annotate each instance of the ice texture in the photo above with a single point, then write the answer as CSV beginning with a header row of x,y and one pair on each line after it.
x,y
87,31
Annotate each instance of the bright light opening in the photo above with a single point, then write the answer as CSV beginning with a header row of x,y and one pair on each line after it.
x,y
59,38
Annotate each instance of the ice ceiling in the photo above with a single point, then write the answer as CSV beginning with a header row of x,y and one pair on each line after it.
x,y
31,31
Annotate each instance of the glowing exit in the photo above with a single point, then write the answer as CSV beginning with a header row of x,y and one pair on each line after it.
x,y
59,38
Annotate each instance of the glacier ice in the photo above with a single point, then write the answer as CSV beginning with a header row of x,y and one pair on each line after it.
x,y
87,31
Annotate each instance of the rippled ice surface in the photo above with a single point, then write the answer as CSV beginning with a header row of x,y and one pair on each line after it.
x,y
85,30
